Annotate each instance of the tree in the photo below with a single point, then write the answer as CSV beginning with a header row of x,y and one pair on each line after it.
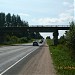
x,y
25,24
2,19
8,20
18,20
70,37
62,40
48,37
14,22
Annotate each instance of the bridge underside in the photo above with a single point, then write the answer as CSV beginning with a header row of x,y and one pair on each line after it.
x,y
4,30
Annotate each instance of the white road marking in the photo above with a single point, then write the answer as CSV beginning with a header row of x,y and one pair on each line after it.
x,y
15,63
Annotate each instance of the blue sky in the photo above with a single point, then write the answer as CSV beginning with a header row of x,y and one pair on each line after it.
x,y
41,12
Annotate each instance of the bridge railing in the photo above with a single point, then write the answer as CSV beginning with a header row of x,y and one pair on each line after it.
x,y
49,26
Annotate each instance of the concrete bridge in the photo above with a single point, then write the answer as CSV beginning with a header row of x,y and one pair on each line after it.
x,y
47,28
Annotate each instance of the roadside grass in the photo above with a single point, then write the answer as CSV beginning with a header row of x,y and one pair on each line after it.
x,y
62,60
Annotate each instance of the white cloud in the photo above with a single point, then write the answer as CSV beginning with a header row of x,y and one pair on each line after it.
x,y
45,20
69,5
66,3
65,17
70,11
74,14
24,14
62,18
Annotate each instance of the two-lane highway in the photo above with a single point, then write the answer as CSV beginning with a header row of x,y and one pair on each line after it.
x,y
11,54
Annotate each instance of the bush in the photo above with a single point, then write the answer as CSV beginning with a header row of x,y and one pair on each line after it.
x,y
23,40
62,40
14,39
70,37
11,39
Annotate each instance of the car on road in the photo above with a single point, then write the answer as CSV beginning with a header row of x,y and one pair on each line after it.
x,y
35,43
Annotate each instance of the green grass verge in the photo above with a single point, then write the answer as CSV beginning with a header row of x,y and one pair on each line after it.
x,y
63,62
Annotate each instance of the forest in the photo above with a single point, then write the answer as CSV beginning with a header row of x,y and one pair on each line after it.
x,y
8,20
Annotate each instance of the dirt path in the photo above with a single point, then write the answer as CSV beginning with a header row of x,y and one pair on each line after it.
x,y
40,64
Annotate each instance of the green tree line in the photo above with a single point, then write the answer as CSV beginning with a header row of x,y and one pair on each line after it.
x,y
69,38
8,20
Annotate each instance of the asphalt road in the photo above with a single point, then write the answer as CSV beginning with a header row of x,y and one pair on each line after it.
x,y
11,54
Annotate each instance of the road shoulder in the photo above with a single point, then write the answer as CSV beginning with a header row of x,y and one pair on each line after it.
x,y
39,64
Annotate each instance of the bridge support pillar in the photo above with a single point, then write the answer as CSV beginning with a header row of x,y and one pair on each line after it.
x,y
55,37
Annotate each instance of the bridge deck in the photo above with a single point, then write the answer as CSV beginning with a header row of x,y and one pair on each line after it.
x,y
34,29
